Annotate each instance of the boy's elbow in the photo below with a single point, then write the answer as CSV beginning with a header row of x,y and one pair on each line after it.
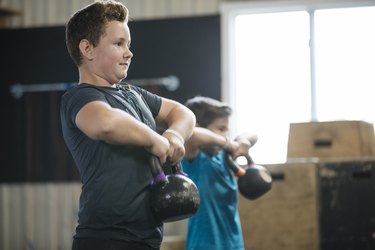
x,y
191,117
189,121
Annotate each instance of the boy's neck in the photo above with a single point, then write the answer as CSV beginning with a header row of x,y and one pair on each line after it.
x,y
94,80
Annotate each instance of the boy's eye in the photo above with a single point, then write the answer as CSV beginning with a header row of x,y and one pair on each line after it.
x,y
223,129
121,43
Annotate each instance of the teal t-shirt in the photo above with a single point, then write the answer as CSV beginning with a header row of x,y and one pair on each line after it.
x,y
216,225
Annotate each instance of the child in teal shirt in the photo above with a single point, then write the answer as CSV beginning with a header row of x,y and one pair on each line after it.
x,y
216,225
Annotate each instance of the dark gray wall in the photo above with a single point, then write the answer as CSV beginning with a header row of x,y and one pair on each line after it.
x,y
32,148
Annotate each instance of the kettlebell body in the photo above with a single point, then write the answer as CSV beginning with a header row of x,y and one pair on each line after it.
x,y
174,196
253,180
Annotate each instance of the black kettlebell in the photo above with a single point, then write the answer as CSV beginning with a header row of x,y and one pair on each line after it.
x,y
253,180
174,196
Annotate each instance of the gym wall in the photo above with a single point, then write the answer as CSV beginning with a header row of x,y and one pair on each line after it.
x,y
33,149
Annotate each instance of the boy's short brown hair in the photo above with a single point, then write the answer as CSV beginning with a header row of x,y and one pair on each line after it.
x,y
89,23
207,109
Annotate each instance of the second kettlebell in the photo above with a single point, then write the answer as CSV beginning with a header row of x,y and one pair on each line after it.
x,y
253,180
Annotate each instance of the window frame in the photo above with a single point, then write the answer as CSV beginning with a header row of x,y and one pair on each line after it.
x,y
230,10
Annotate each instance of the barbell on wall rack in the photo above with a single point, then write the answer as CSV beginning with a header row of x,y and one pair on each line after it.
x,y
171,83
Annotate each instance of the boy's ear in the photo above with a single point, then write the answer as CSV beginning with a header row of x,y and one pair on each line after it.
x,y
86,49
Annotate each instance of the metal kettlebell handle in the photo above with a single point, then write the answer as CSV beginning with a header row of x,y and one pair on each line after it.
x,y
177,169
237,170
156,170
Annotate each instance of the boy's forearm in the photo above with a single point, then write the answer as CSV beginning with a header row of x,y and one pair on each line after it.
x,y
203,136
133,133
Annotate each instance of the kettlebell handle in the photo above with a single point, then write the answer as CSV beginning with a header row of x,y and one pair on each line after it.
x,y
156,169
249,160
237,170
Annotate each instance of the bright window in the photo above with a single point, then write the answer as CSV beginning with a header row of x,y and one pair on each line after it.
x,y
296,65
345,63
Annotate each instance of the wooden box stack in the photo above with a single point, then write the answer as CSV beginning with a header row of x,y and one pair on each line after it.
x,y
335,139
326,205
285,218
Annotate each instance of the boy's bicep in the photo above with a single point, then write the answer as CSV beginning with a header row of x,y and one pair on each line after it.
x,y
91,118
165,108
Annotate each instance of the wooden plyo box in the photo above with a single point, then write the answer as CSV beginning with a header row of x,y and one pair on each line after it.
x,y
347,204
325,205
285,218
336,139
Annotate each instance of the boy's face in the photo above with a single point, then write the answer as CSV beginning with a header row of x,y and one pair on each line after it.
x,y
112,56
219,126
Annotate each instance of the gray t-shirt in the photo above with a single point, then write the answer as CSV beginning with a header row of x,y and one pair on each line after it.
x,y
114,202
